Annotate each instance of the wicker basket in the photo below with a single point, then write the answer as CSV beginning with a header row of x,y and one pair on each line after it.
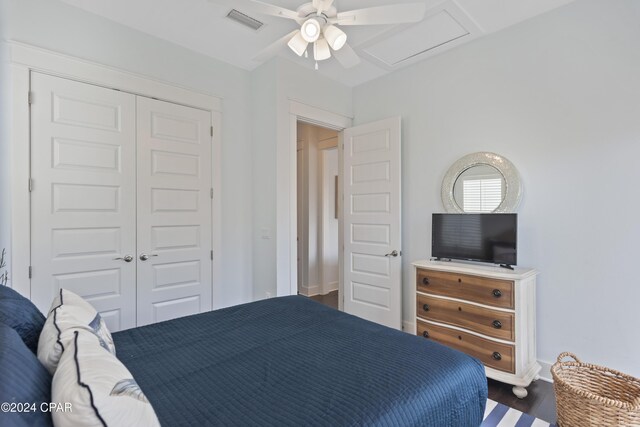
x,y
592,395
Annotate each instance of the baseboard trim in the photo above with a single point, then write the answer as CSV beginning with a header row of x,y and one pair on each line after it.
x,y
409,327
310,291
545,372
329,287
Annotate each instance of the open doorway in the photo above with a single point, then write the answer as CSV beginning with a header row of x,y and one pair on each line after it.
x,y
317,213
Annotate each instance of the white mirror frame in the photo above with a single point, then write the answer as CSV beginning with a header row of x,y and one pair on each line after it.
x,y
513,185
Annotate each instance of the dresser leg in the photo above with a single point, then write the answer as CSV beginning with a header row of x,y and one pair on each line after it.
x,y
520,392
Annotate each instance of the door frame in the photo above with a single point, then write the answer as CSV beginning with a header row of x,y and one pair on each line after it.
x,y
25,58
286,193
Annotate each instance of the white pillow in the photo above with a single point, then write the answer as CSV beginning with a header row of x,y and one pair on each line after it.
x,y
100,389
68,310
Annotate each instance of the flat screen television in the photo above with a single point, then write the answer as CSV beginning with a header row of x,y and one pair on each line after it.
x,y
475,237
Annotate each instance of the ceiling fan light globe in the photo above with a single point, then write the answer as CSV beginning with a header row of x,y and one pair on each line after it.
x,y
310,30
298,44
321,50
335,37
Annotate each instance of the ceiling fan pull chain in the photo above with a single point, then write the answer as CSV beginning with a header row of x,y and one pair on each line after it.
x,y
306,54
316,65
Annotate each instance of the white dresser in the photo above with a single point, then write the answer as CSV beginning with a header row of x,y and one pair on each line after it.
x,y
488,312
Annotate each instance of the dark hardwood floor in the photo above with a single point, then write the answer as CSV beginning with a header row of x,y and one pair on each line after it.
x,y
540,402
330,299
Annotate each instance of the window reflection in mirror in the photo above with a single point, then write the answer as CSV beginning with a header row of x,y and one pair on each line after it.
x,y
479,189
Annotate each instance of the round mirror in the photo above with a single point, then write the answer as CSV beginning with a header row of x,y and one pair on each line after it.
x,y
479,189
481,183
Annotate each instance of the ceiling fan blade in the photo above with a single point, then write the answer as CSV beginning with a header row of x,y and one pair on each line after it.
x,y
273,49
382,15
260,7
322,5
347,57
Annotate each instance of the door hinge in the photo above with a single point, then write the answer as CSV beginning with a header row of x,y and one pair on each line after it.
x,y
30,271
211,129
30,98
211,193
211,254
30,185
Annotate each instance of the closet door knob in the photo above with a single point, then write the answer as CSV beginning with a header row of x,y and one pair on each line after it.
x,y
126,258
144,257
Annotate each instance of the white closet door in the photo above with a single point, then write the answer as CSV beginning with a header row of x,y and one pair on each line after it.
x,y
83,199
174,210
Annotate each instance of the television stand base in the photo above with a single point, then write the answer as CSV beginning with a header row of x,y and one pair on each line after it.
x,y
506,266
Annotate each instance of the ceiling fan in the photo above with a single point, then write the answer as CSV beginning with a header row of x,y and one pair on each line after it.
x,y
319,21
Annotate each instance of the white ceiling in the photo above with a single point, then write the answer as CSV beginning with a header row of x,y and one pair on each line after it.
x,y
202,26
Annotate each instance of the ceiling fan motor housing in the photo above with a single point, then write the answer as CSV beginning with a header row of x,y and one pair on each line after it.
x,y
307,9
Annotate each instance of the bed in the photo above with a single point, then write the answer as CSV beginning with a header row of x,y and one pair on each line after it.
x,y
285,361
291,361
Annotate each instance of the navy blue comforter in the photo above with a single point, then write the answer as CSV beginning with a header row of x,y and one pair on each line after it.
x,y
293,362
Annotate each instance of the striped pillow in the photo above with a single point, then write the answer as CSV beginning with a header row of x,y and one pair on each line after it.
x,y
99,388
69,311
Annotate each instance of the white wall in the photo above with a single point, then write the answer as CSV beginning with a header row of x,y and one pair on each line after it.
x,y
308,215
329,230
263,159
56,26
5,164
271,194
558,95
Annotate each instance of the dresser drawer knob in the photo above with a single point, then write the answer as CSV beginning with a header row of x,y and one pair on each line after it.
x,y
497,324
425,307
425,334
497,293
425,280
496,355
459,280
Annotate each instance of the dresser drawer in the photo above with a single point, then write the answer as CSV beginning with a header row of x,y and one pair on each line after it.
x,y
493,323
483,290
495,355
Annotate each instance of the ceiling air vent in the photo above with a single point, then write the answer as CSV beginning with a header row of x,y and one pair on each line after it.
x,y
245,20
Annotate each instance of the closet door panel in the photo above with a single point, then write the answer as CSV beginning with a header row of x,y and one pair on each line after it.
x,y
83,198
174,210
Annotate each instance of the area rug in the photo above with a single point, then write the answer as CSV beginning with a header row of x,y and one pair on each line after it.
x,y
499,415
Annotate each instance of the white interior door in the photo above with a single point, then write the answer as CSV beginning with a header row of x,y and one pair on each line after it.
x,y
372,280
174,211
83,212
